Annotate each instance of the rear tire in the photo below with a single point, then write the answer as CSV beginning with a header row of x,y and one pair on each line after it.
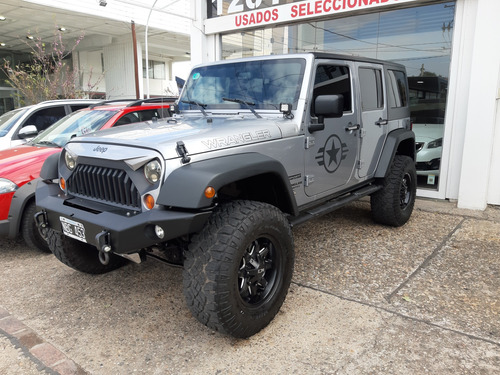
x,y
29,229
238,269
393,204
79,255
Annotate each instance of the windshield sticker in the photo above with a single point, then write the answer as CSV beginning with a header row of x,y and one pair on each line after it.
x,y
86,130
237,139
196,76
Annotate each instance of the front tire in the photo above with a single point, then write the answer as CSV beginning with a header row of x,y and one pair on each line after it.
x,y
29,230
79,255
238,269
393,204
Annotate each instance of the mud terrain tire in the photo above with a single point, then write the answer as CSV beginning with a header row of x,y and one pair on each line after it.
x,y
238,269
393,204
79,255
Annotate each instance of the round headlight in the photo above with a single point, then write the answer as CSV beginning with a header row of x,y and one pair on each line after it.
x,y
152,171
69,160
7,186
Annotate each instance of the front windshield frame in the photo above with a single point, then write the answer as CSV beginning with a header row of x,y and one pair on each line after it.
x,y
73,125
8,119
264,83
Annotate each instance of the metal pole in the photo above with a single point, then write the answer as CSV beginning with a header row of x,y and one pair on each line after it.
x,y
146,47
136,70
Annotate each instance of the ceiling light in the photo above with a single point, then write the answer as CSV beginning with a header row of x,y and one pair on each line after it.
x,y
62,29
2,44
2,18
30,37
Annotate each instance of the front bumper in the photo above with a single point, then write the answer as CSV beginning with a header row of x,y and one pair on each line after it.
x,y
125,233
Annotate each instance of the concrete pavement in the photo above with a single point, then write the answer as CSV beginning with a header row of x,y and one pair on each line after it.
x,y
365,299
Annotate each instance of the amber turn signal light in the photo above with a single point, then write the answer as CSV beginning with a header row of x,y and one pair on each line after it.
x,y
62,183
149,201
209,192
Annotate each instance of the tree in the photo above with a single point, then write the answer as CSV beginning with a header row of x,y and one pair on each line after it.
x,y
49,74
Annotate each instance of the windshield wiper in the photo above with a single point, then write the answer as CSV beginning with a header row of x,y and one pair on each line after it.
x,y
48,143
201,105
249,105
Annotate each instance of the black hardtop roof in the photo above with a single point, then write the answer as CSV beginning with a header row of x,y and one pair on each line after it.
x,y
335,56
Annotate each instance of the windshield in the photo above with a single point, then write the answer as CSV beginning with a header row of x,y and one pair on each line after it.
x,y
73,125
8,119
262,84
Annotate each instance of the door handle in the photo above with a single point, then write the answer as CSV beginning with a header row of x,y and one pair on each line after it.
x,y
381,122
350,127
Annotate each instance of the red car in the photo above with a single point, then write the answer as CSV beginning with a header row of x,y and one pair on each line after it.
x,y
20,166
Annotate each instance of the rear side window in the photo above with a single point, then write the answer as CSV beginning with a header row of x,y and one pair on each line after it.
x,y
398,88
371,89
43,118
76,107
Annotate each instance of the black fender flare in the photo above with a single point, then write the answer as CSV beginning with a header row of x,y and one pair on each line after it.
x,y
49,169
21,197
185,186
392,147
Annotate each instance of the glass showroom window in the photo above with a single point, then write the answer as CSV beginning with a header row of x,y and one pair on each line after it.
x,y
419,38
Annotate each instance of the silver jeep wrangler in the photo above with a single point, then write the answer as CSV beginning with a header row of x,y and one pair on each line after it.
x,y
255,147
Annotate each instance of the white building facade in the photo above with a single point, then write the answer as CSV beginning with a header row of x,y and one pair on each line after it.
x,y
450,49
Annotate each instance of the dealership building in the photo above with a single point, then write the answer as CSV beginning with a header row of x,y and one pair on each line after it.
x,y
450,50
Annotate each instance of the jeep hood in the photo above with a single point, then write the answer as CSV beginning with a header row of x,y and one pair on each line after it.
x,y
199,135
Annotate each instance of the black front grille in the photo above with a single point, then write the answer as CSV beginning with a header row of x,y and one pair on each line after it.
x,y
104,184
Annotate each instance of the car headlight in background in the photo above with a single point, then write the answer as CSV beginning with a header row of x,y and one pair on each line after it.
x,y
70,160
152,171
435,143
7,186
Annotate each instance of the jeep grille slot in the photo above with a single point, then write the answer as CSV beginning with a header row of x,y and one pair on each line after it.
x,y
104,184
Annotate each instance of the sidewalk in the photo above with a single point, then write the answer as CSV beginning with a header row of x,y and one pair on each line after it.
x,y
365,299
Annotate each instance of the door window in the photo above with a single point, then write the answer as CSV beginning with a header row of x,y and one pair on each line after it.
x,y
43,118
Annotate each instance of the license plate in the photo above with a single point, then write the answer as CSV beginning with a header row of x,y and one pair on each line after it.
x,y
73,229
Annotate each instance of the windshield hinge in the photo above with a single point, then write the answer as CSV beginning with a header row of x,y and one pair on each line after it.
x,y
309,142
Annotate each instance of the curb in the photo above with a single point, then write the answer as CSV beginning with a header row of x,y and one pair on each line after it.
x,y
46,356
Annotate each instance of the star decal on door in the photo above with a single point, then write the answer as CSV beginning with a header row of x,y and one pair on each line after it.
x,y
332,153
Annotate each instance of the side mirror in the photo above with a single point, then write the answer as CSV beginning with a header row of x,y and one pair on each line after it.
x,y
28,131
329,106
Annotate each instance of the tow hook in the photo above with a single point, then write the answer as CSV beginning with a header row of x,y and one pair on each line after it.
x,y
104,241
42,223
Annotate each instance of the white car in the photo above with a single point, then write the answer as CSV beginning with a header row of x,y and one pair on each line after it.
x,y
20,125
429,143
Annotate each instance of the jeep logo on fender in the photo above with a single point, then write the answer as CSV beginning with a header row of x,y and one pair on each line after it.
x,y
100,149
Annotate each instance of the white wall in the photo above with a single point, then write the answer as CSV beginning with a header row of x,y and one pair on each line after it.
x,y
91,73
119,70
494,185
474,183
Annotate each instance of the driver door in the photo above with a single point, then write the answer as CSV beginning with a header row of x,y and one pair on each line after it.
x,y
332,149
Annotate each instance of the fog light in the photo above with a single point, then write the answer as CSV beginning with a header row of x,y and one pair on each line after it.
x,y
160,233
